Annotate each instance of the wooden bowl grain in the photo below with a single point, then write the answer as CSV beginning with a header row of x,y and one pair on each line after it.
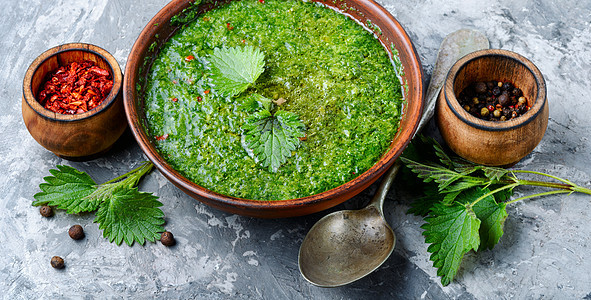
x,y
488,142
81,136
386,28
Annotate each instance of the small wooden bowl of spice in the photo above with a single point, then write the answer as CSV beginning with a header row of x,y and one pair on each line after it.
x,y
72,103
492,109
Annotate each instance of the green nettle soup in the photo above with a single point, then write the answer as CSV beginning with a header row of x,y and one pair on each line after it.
x,y
331,72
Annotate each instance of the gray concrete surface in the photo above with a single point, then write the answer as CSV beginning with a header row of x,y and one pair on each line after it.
x,y
544,254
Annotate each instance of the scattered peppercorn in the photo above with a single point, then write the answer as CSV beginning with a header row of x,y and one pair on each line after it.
x,y
167,239
46,211
57,262
493,100
76,232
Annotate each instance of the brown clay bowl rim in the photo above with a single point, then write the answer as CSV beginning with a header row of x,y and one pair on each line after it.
x,y
43,57
454,104
403,136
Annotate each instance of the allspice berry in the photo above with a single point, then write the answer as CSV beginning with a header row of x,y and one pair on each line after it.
x,y
57,262
76,232
167,239
46,211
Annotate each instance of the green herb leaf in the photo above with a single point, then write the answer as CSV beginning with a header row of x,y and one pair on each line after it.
x,y
422,205
452,231
67,189
492,216
130,215
270,139
234,69
433,172
494,173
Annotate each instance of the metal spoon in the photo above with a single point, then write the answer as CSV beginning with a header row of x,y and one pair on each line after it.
x,y
347,245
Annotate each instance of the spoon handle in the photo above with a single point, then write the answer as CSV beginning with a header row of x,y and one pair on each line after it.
x,y
380,195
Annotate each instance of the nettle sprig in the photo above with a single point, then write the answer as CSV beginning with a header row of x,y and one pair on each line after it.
x,y
270,134
464,206
122,212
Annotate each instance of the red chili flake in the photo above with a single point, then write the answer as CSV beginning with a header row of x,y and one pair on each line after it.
x,y
199,99
189,58
175,99
244,41
353,173
162,137
230,27
76,88
490,108
206,92
175,82
262,1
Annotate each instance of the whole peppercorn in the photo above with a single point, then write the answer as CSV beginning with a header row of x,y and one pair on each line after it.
x,y
46,211
480,87
516,92
167,239
504,99
57,262
76,232
496,91
484,112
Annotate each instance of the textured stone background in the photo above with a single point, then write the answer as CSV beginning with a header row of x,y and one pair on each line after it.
x,y
545,252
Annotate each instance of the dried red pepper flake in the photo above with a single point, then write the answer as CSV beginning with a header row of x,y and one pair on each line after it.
x,y
244,41
189,58
162,137
175,99
229,26
206,92
175,82
199,98
262,1
75,88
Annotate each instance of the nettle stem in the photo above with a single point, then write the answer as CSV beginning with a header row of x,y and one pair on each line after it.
x,y
566,187
132,177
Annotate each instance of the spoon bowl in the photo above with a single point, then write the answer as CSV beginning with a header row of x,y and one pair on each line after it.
x,y
335,252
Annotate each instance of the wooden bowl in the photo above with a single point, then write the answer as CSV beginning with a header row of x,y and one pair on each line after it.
x,y
81,136
491,143
392,35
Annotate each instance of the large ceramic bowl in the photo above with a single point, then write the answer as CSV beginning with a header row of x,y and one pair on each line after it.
x,y
387,29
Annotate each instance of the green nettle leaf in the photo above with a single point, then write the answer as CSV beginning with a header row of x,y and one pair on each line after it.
x,y
422,206
428,173
494,173
130,215
235,69
123,212
492,216
270,139
463,184
452,231
503,195
67,189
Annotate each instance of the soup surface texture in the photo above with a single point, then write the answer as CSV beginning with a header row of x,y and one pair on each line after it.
x,y
333,73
